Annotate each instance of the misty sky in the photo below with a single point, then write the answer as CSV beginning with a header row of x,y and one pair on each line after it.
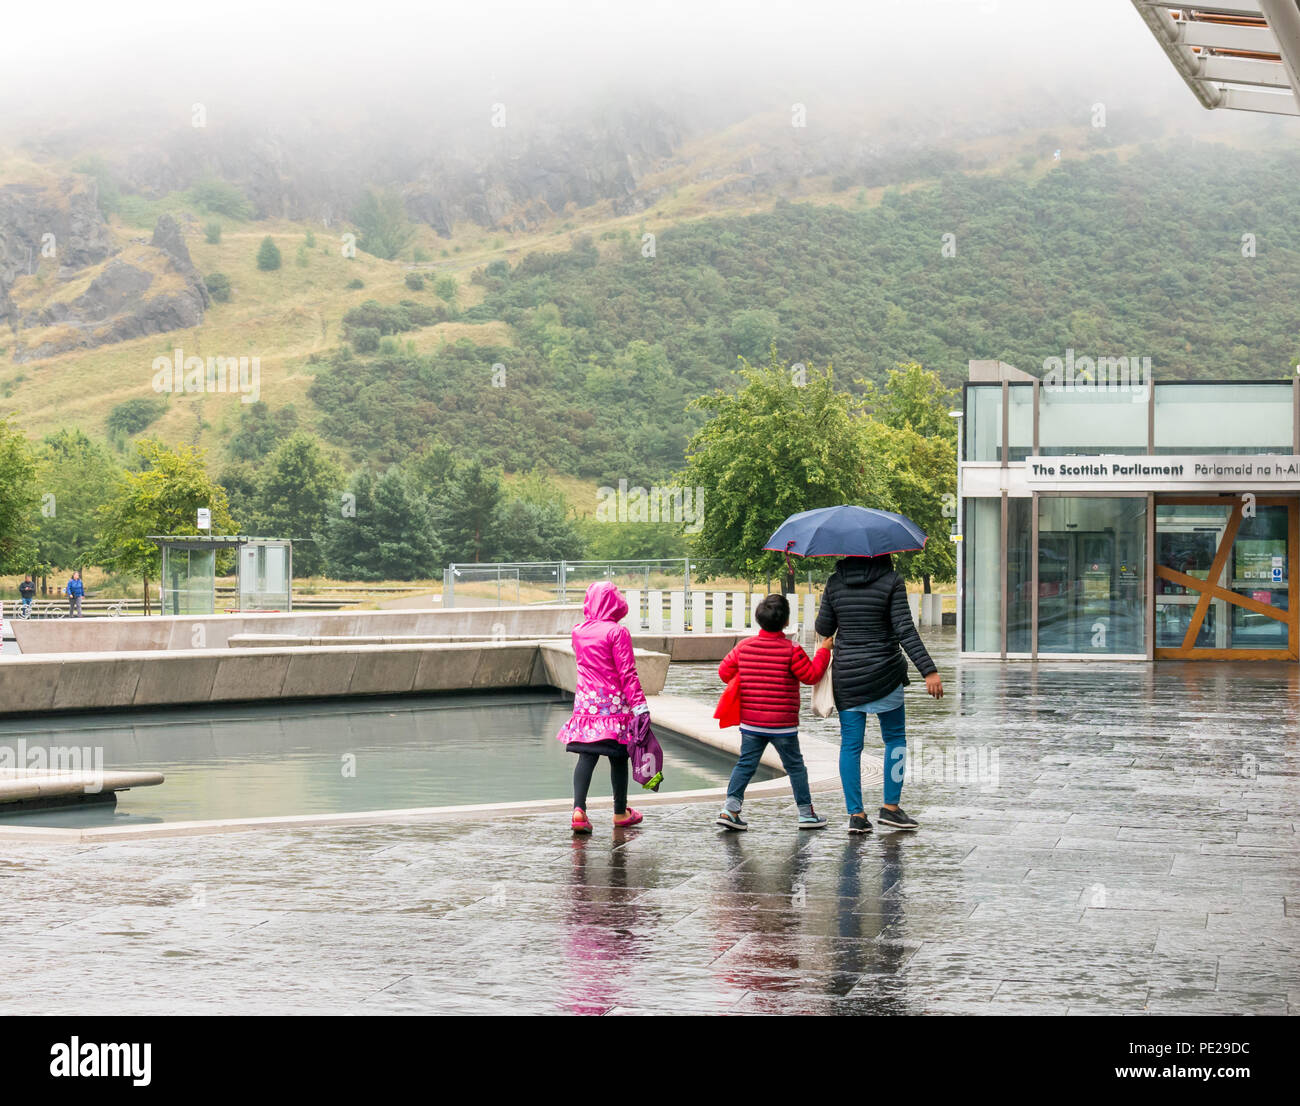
x,y
288,56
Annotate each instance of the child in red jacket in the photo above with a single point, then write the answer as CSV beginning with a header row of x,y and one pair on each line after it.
x,y
771,670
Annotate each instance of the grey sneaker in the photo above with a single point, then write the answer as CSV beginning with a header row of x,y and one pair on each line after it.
x,y
897,819
812,821
732,820
859,823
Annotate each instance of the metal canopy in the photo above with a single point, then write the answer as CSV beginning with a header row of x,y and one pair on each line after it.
x,y
1240,56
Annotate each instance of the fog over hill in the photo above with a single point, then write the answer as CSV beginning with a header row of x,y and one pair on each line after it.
x,y
502,115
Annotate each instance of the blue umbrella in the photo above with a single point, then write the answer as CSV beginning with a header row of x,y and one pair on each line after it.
x,y
846,531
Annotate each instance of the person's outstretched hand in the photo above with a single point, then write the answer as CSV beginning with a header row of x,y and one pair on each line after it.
x,y
934,685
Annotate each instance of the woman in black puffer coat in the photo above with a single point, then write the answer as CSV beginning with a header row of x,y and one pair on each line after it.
x,y
865,608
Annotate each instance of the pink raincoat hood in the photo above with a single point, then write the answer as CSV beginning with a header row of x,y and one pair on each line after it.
x,y
604,603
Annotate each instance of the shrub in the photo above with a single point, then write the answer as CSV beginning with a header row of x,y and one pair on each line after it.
x,y
219,285
268,255
134,415
217,196
415,282
309,240
300,259
365,339
212,233
446,287
356,282
419,255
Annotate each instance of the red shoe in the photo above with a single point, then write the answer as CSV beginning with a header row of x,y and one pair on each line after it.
x,y
631,818
581,823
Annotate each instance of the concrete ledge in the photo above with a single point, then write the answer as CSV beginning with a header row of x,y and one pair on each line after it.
x,y
148,678
561,667
21,784
211,631
679,647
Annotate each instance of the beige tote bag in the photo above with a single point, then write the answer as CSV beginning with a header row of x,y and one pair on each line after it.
x,y
823,694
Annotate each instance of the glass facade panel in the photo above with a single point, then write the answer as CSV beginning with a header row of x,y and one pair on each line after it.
x,y
1020,421
1092,574
189,577
1187,538
1086,421
983,422
1258,569
982,566
1223,418
1020,575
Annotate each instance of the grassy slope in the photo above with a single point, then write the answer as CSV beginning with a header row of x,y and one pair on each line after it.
x,y
282,317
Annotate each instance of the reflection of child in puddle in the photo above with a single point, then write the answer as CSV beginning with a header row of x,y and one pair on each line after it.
x,y
601,930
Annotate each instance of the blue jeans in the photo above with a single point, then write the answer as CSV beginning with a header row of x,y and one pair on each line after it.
x,y
751,748
893,731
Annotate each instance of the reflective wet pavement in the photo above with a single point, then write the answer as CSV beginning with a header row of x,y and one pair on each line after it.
x,y
1131,849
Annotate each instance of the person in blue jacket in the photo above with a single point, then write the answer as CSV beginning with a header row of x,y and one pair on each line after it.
x,y
74,591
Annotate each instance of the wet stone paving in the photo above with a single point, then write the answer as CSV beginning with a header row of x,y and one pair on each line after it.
x,y
1127,845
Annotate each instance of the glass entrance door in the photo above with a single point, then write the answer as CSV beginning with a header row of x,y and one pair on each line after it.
x,y
1225,585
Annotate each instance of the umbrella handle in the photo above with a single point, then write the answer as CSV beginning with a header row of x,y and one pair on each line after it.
x,y
789,568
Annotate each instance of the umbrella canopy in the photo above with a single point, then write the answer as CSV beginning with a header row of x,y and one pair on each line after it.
x,y
846,531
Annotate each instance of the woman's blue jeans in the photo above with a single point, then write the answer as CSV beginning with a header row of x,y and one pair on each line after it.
x,y
893,731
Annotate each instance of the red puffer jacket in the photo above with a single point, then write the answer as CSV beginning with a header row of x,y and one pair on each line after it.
x,y
771,670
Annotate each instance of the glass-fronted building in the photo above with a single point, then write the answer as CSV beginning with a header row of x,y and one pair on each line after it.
x,y
1101,516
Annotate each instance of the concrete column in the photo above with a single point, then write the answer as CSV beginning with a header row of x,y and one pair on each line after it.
x,y
809,618
754,600
633,619
914,603
655,612
738,612
698,620
677,612
719,612
793,600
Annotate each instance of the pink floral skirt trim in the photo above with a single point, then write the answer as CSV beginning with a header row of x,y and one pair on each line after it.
x,y
598,716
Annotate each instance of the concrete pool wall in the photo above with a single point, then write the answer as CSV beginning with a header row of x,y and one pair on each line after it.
x,y
212,631
155,678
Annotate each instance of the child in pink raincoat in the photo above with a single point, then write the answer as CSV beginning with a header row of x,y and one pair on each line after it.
x,y
606,703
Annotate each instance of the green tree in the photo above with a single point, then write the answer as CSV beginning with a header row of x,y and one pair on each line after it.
x,y
535,523
913,433
446,287
75,478
296,495
916,398
385,229
921,474
268,255
18,499
162,498
465,512
260,430
386,534
775,447
212,233
219,285
221,198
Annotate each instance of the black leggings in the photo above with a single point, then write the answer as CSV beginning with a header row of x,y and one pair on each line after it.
x,y
617,775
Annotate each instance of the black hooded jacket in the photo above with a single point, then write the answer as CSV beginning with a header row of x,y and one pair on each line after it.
x,y
865,607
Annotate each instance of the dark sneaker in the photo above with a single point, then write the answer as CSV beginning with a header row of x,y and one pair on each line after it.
x,y
812,821
859,823
732,820
897,819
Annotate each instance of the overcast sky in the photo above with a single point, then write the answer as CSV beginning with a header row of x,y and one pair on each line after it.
x,y
290,56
